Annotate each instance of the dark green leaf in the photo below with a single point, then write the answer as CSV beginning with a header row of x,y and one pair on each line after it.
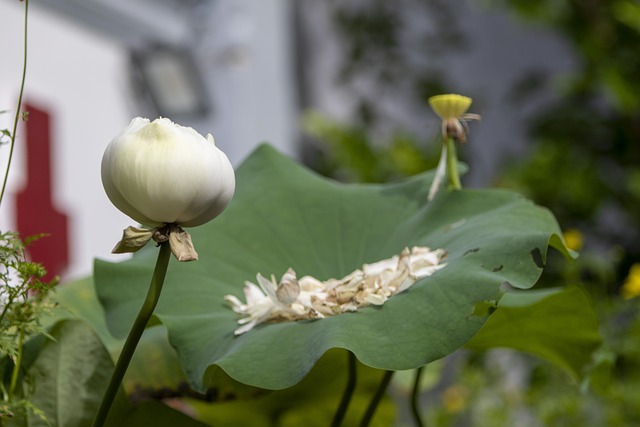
x,y
69,376
67,380
558,325
154,364
312,402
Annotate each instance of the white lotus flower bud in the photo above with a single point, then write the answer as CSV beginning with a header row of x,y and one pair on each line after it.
x,y
162,173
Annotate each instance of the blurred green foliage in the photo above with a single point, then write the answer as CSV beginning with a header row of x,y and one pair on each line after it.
x,y
583,163
348,154
589,141
584,160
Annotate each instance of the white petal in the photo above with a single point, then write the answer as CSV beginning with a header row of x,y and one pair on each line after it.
x,y
380,266
160,172
253,294
269,287
288,288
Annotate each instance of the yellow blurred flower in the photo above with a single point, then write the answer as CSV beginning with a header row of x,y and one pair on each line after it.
x,y
631,286
454,399
573,239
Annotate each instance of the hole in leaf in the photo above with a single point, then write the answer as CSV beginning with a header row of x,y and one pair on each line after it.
x,y
484,308
537,257
470,251
498,268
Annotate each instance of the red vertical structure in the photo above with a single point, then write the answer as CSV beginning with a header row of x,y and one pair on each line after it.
x,y
35,212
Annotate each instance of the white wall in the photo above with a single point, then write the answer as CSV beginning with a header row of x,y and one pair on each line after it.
x,y
78,77
246,57
81,77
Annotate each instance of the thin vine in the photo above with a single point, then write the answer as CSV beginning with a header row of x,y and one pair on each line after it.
x,y
18,114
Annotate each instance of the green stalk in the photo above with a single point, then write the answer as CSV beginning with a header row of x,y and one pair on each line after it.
x,y
137,329
16,366
452,165
348,392
377,397
7,306
415,394
12,141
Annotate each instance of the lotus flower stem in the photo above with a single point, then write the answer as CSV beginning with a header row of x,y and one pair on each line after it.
x,y
348,392
135,334
452,164
415,394
377,397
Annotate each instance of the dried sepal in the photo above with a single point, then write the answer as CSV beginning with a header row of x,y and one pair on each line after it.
x,y
134,239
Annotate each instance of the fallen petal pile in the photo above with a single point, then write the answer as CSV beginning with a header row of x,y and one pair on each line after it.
x,y
310,298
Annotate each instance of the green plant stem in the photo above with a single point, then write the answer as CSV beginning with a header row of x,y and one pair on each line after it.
x,y
137,329
7,305
452,165
348,392
12,142
377,397
415,395
16,366
18,361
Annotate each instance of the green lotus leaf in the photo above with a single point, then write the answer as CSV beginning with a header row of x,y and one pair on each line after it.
x,y
285,216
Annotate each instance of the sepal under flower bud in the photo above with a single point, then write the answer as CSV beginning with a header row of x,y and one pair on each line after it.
x,y
134,239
